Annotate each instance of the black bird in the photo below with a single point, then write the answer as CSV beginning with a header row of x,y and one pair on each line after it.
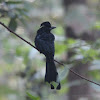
x,y
44,42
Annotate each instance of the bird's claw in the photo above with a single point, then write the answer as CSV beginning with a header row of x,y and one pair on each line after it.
x,y
58,87
52,87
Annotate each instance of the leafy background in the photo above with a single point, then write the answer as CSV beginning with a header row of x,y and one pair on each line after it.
x,y
22,68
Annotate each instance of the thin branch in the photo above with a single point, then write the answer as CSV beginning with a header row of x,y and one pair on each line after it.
x,y
17,35
54,60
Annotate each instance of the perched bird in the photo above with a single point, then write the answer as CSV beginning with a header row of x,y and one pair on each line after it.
x,y
44,42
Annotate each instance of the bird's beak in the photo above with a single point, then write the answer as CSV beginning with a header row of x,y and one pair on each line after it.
x,y
52,27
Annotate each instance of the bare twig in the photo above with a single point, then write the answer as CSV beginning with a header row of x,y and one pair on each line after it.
x,y
54,60
17,35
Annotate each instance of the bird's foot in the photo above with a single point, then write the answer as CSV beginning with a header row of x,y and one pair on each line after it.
x,y
52,87
59,86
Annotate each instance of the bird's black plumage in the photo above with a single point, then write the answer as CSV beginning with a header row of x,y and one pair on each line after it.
x,y
44,42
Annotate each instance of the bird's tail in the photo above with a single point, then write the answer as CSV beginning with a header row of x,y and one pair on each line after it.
x,y
51,73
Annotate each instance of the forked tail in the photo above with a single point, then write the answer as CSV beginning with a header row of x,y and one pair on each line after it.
x,y
51,73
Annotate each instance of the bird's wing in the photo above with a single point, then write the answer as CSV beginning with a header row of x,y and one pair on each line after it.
x,y
45,45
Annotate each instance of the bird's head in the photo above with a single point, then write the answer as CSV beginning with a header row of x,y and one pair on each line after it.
x,y
47,25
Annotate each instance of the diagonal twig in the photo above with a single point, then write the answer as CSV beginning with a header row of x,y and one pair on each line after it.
x,y
54,59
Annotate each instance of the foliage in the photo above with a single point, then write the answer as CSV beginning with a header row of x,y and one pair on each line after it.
x,y
24,17
32,97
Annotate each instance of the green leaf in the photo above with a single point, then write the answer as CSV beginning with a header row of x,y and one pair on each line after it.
x,y
62,47
59,30
14,2
71,41
32,97
97,25
13,24
23,51
95,74
54,84
89,54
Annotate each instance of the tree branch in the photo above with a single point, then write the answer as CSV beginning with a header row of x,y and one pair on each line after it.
x,y
54,60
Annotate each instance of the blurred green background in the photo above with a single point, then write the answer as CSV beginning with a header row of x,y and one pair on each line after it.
x,y
77,45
